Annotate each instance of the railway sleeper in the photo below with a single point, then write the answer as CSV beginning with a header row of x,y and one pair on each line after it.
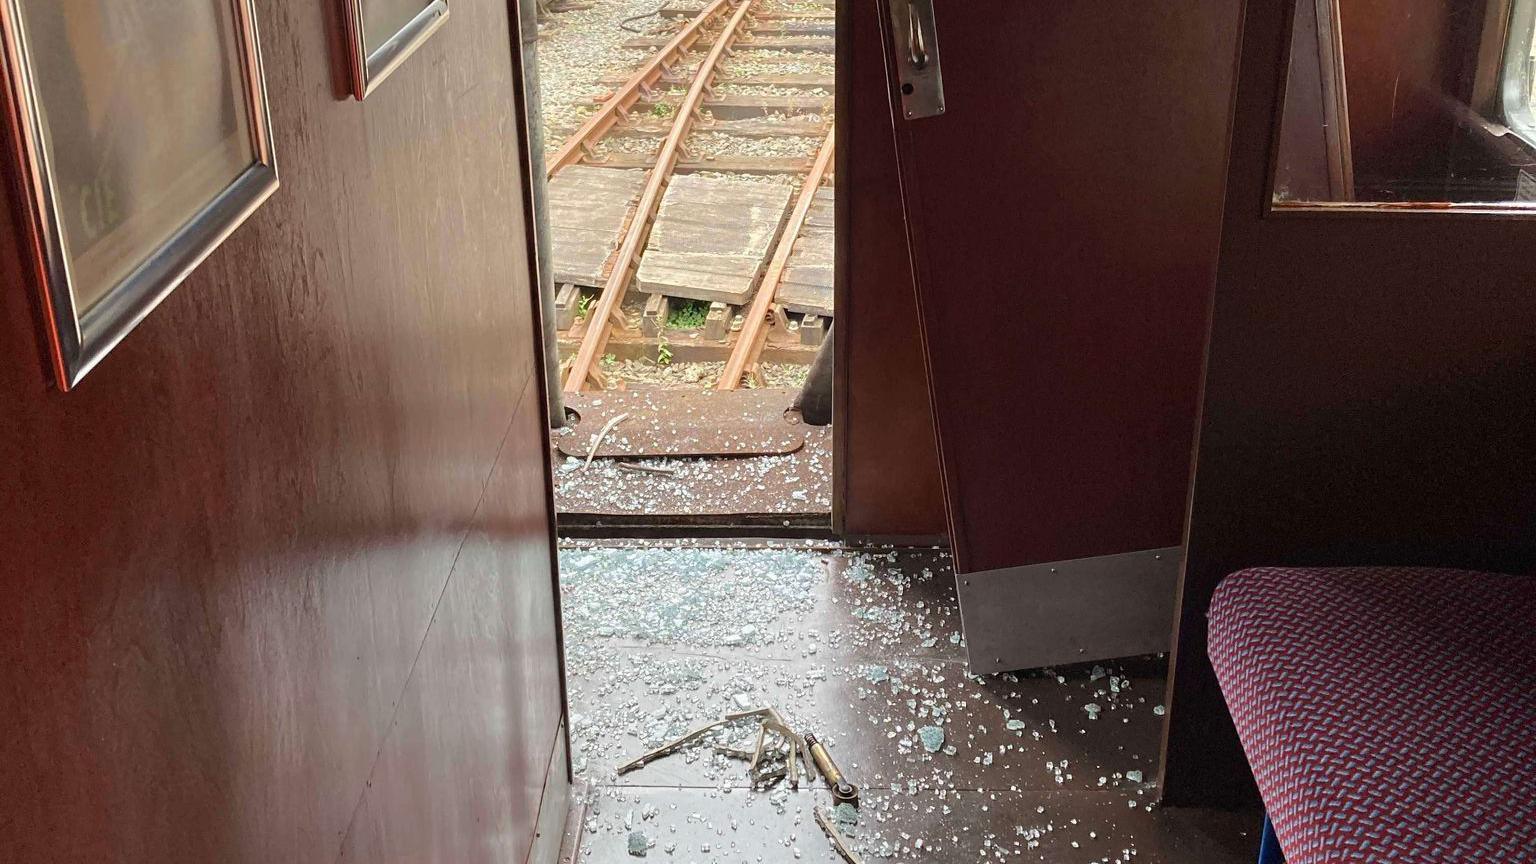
x,y
763,127
762,165
686,10
809,44
733,107
771,79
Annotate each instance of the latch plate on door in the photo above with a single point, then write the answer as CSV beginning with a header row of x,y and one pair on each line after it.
x,y
917,58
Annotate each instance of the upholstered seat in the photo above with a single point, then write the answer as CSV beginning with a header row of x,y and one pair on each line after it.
x,y
1389,714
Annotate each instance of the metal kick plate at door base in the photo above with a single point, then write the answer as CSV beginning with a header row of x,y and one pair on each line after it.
x,y
1036,615
916,40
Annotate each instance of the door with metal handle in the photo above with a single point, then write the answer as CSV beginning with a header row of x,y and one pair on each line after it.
x,y
1063,220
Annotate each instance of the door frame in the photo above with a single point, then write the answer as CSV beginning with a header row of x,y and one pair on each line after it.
x,y
842,60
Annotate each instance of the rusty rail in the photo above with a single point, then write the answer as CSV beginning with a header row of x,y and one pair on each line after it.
x,y
584,363
634,89
754,329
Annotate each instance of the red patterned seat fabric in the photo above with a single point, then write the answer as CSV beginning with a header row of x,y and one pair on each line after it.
x,y
1389,714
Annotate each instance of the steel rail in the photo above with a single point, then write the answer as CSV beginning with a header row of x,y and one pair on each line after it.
x,y
607,306
754,329
633,89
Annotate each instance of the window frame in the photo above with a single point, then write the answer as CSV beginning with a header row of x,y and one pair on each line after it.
x,y
1518,72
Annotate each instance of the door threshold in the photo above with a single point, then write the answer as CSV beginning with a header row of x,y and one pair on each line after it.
x,y
794,526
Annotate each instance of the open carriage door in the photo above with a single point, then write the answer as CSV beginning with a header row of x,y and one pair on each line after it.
x,y
1064,201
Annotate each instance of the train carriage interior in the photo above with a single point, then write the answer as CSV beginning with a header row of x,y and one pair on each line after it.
x,y
758,431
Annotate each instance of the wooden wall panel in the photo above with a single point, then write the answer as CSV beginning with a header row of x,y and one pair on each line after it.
x,y
1367,401
228,592
889,469
453,769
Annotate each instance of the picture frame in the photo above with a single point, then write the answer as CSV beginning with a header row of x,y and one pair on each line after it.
x,y
381,34
141,140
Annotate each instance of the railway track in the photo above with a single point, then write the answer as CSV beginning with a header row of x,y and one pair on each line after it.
x,y
700,178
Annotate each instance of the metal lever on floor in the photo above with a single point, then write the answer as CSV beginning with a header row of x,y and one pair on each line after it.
x,y
843,792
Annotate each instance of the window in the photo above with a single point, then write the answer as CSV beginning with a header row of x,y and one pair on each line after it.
x,y
1413,104
1519,82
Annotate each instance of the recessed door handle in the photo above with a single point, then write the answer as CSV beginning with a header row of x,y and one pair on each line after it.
x,y
922,87
917,49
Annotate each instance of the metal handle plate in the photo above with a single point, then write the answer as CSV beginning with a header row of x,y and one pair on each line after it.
x,y
922,85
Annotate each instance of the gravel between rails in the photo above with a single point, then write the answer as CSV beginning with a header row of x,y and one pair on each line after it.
x,y
778,62
717,144
576,49
645,374
726,88
579,48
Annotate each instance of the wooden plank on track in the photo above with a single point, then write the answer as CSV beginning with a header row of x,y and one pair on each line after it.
x,y
711,238
755,321
588,209
698,276
807,283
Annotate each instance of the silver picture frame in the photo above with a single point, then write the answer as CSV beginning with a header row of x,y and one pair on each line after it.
x,y
156,231
376,49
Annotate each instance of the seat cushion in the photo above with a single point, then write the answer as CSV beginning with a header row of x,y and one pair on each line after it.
x,y
1389,714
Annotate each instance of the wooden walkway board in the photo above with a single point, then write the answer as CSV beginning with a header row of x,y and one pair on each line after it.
x,y
711,238
588,210
807,282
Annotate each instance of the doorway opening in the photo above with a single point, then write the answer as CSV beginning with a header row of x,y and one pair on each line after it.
x,y
687,248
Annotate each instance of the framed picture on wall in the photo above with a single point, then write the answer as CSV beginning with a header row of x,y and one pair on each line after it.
x,y
141,139
382,33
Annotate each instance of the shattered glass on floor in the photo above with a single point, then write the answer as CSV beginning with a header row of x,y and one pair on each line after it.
x,y
863,649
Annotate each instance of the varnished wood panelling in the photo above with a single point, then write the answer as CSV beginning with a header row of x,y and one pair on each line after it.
x,y
457,774
222,555
889,465
1066,214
